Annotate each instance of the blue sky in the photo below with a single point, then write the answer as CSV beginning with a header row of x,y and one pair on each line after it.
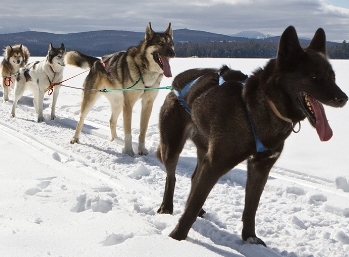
x,y
218,16
341,3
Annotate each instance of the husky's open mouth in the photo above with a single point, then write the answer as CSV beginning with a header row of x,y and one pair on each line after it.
x,y
316,115
164,63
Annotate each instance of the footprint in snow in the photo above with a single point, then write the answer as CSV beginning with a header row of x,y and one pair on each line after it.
x,y
342,183
97,204
33,191
115,239
80,206
102,205
39,187
317,199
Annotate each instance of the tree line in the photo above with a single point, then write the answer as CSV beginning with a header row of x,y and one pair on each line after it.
x,y
251,49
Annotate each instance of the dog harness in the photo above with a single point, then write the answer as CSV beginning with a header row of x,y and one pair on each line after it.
x,y
180,95
7,80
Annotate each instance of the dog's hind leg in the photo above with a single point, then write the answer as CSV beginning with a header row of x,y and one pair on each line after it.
x,y
205,178
116,103
88,100
258,168
201,151
147,106
174,124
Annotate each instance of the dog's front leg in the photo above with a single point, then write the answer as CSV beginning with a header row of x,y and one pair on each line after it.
x,y
39,104
258,168
54,101
6,92
127,115
19,90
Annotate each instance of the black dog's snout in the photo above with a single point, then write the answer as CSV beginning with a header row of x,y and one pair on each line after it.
x,y
341,101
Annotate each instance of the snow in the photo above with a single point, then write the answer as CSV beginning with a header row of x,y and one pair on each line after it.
x,y
90,199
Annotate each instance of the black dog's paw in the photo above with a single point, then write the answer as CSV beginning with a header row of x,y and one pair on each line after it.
x,y
255,240
178,235
201,213
165,210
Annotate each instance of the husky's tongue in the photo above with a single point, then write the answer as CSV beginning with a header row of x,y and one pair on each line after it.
x,y
322,127
166,66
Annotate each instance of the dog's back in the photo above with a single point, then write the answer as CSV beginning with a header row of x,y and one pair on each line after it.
x,y
199,81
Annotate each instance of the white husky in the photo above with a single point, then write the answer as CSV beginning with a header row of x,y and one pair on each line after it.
x,y
39,77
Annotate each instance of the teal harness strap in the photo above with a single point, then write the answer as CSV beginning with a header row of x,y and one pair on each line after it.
x,y
180,94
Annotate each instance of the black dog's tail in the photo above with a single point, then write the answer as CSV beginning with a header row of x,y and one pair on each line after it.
x,y
79,59
228,74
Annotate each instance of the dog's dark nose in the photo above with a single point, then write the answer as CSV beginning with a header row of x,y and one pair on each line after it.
x,y
18,61
171,53
341,101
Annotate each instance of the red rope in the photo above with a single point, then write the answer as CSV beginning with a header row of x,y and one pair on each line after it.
x,y
7,81
50,88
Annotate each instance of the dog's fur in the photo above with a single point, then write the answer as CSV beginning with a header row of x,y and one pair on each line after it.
x,y
38,77
15,57
287,90
141,66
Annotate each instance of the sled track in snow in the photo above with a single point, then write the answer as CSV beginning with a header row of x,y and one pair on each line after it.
x,y
100,129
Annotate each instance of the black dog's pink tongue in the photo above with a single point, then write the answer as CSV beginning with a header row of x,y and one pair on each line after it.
x,y
166,66
322,127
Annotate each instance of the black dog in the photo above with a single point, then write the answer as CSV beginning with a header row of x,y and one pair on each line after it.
x,y
230,122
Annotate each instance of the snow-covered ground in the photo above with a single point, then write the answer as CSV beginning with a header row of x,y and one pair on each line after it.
x,y
90,199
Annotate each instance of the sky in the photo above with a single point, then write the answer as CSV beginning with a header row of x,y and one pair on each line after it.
x,y
91,199
219,16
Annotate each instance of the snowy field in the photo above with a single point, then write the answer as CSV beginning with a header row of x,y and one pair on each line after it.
x,y
90,199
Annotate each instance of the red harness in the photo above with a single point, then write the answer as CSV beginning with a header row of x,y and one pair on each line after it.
x,y
7,81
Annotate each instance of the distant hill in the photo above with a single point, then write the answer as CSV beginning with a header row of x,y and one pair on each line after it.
x,y
251,35
98,43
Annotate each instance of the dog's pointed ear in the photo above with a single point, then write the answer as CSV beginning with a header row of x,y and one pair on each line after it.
x,y
149,32
169,30
20,47
289,50
62,47
7,52
318,43
50,47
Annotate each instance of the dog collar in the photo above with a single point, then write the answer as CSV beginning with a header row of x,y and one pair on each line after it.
x,y
277,113
52,69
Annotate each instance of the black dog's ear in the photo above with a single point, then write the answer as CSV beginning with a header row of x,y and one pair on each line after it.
x,y
62,47
318,43
149,32
289,50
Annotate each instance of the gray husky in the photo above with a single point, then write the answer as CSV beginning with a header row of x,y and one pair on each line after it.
x,y
141,66
39,77
230,122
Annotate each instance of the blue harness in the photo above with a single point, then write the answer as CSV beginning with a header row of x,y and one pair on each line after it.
x,y
180,95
